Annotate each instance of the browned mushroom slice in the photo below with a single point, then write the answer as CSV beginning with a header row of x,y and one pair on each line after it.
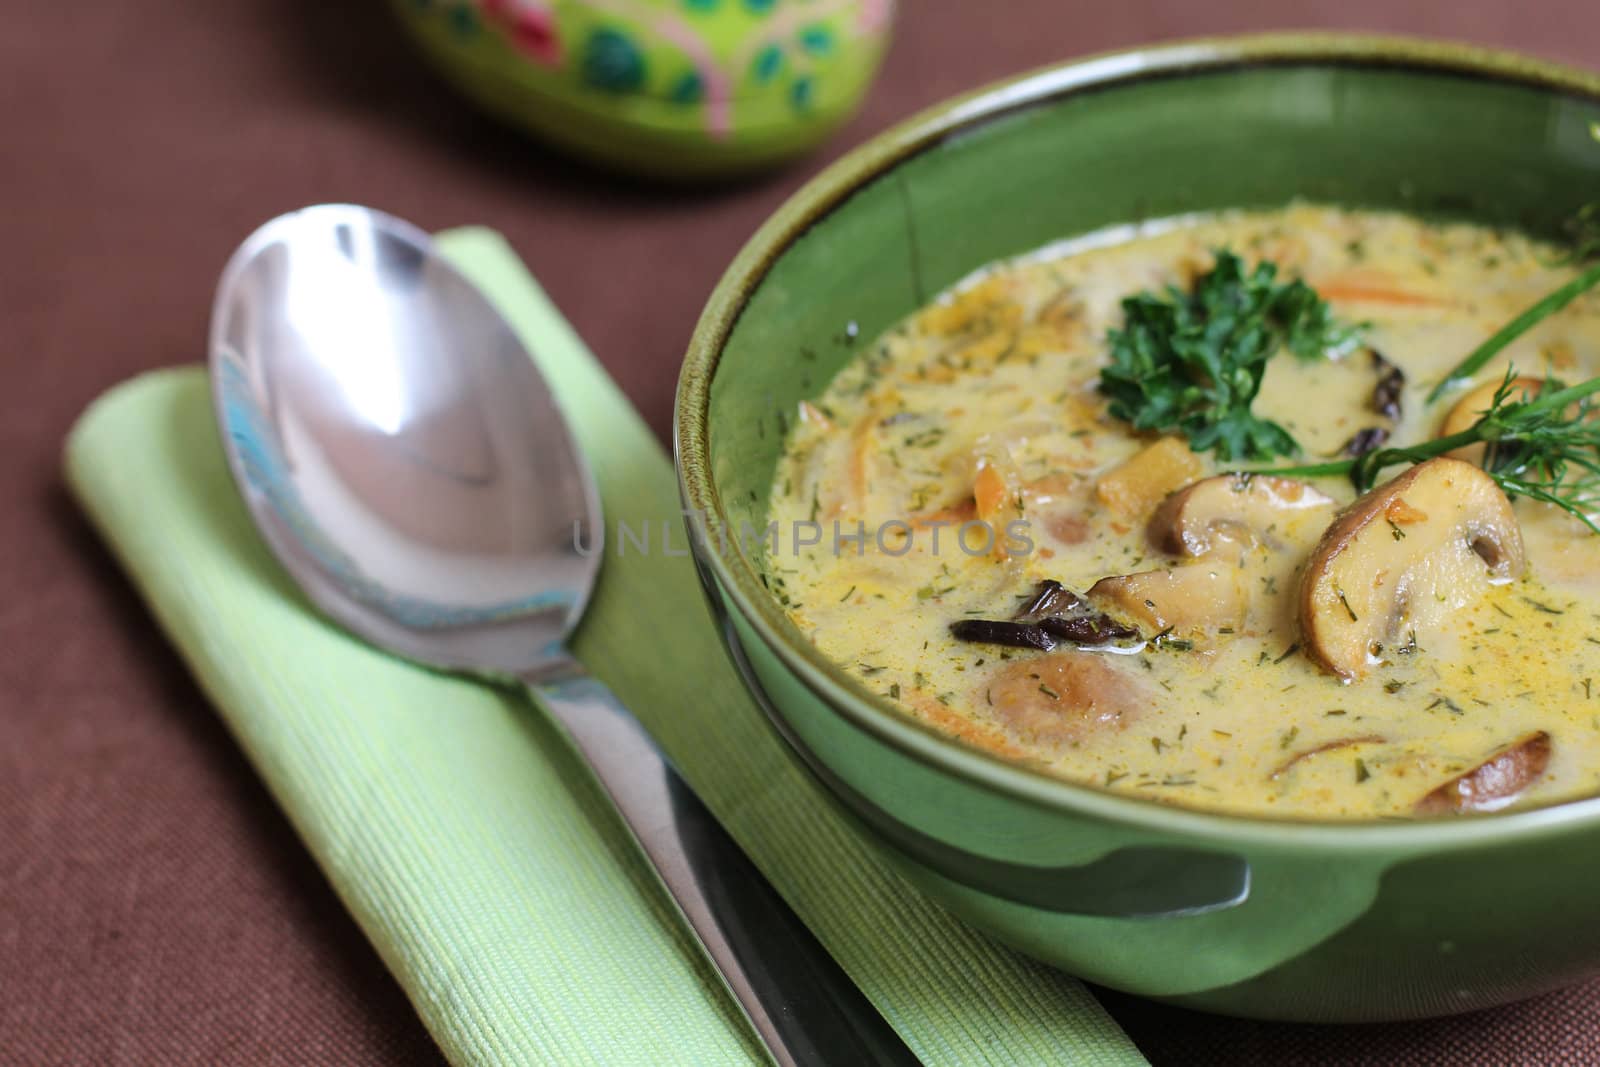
x,y
1064,698
1471,407
1213,523
1404,555
1495,782
1194,597
1229,509
1327,746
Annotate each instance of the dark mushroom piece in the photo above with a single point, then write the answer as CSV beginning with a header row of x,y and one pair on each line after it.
x,y
1051,598
997,632
1053,614
1366,440
1391,382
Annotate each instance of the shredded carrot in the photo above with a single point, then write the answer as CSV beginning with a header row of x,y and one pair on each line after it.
x,y
989,491
1374,287
860,456
997,493
941,718
1401,513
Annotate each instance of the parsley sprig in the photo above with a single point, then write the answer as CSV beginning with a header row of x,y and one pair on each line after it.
x,y
1193,362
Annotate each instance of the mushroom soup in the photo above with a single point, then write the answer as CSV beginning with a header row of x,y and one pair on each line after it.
x,y
1041,539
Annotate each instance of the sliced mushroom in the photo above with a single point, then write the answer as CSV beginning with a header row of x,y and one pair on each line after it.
x,y
1212,523
1405,554
1199,596
1133,487
1327,746
1471,407
1229,510
1001,632
1064,697
1495,782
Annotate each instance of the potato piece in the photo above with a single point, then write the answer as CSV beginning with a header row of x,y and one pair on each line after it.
x,y
1229,511
1471,407
1407,553
1064,698
1132,488
1495,782
1195,597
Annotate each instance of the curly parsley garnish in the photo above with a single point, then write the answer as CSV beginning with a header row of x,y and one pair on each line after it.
x,y
1193,362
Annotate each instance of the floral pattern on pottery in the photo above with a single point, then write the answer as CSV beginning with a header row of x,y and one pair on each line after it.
x,y
693,54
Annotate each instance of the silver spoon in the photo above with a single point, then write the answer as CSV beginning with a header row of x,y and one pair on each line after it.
x,y
406,463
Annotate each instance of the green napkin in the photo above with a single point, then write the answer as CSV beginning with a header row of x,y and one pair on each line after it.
x,y
471,846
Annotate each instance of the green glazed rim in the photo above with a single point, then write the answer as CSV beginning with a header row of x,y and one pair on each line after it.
x,y
875,714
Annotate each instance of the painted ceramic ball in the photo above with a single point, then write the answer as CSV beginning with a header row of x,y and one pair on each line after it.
x,y
672,87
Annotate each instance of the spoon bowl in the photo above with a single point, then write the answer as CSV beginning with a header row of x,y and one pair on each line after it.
x,y
401,453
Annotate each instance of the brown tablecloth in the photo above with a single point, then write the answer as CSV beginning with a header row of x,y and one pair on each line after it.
x,y
154,905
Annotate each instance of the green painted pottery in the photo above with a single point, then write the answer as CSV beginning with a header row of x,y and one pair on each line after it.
x,y
1276,919
681,88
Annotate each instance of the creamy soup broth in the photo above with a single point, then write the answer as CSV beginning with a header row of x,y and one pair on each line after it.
x,y
986,403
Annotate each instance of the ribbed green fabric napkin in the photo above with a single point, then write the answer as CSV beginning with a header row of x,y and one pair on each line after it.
x,y
465,838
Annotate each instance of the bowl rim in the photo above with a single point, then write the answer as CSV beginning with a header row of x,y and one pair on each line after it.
x,y
874,714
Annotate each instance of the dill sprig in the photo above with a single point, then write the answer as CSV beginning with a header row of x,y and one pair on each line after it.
x,y
1545,449
1552,453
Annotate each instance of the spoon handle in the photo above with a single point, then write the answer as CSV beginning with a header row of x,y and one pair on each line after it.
x,y
803,1007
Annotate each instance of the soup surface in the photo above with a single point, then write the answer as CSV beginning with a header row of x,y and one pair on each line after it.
x,y
1202,648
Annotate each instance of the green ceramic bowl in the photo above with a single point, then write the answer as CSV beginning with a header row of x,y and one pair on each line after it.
x,y
1276,919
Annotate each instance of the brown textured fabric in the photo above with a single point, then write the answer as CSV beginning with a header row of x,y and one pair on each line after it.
x,y
154,905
